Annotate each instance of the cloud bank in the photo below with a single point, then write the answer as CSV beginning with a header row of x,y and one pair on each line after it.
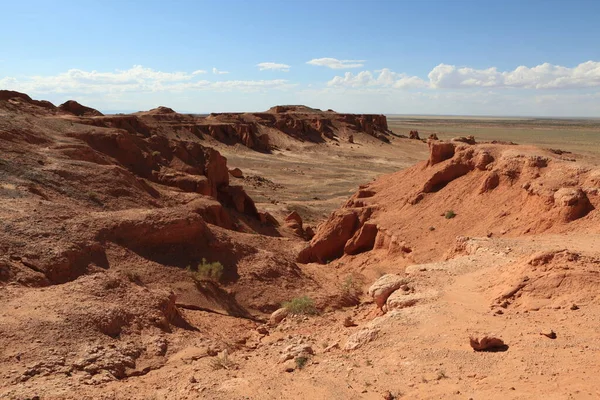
x,y
136,79
444,76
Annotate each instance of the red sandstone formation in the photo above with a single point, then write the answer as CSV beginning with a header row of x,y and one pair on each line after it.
x,y
473,180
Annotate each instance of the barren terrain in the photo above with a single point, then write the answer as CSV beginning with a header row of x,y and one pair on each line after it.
x,y
137,263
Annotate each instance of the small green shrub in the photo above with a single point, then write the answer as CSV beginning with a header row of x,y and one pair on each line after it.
x,y
133,277
207,271
155,153
222,361
94,197
450,214
301,306
350,291
301,361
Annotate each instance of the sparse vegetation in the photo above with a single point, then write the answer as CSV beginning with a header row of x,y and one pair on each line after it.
x,y
301,306
450,214
350,291
94,197
222,361
207,271
133,277
155,153
301,361
441,375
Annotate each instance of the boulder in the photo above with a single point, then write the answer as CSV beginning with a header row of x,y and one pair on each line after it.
x,y
361,338
408,297
487,343
490,182
278,315
573,203
294,218
384,287
236,173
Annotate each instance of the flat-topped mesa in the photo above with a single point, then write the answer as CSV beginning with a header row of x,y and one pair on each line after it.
x,y
293,109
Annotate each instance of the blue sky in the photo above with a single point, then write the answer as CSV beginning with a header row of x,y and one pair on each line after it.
x,y
405,57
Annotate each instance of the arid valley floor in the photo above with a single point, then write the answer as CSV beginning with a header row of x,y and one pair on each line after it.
x,y
148,255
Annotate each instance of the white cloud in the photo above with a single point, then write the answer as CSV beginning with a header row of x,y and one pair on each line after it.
x,y
334,63
134,80
198,71
444,76
543,76
217,72
273,66
385,78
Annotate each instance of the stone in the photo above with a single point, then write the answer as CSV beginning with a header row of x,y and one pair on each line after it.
x,y
278,315
236,173
291,352
487,343
361,338
384,287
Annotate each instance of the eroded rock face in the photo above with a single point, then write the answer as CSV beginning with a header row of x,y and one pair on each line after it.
x,y
363,239
331,237
440,151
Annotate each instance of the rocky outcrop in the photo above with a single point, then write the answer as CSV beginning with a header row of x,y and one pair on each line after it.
x,y
17,97
383,287
79,110
573,203
464,139
363,240
440,151
332,236
414,135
